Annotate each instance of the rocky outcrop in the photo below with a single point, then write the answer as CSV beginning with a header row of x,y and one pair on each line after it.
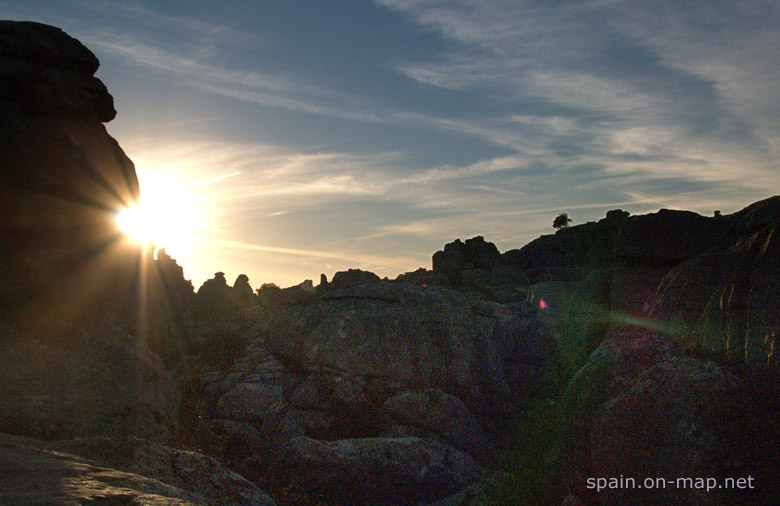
x,y
108,471
726,302
475,253
674,421
274,298
377,471
64,180
101,382
610,369
350,278
375,364
387,338
433,412
664,238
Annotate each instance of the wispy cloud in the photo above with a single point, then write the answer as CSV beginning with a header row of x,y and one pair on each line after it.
x,y
216,178
376,262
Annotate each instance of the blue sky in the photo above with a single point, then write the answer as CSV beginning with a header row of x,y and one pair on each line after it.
x,y
320,136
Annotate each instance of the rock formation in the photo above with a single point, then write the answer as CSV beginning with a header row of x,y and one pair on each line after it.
x,y
475,253
64,180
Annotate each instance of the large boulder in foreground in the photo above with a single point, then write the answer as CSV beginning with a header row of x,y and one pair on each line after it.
x,y
682,418
63,181
377,471
117,472
609,370
98,382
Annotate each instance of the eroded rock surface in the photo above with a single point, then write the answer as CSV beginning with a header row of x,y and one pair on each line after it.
x,y
378,471
116,472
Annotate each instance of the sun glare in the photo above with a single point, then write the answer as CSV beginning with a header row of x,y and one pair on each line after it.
x,y
166,217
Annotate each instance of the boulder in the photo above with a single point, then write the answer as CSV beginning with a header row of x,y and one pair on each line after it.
x,y
475,253
610,369
438,414
377,471
675,421
351,277
242,290
100,382
250,402
142,467
725,302
385,338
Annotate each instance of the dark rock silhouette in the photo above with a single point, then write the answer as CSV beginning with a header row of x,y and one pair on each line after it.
x,y
272,297
64,179
352,277
475,253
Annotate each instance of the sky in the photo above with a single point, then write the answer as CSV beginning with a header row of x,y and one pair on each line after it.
x,y
318,136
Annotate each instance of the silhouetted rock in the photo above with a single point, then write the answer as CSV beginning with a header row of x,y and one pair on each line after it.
x,y
64,180
177,291
217,302
475,253
271,296
352,277
51,72
727,302
242,291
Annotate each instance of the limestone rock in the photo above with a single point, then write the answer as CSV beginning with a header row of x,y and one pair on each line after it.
x,y
118,471
102,382
351,277
391,337
64,180
726,302
250,402
438,413
475,253
377,471
610,369
674,421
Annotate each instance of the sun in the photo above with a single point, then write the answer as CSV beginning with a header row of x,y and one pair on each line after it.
x,y
167,215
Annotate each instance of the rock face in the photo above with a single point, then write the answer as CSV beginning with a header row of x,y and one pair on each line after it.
x,y
674,421
378,471
52,389
388,338
725,302
64,179
359,389
475,253
127,472
610,369
432,411
351,277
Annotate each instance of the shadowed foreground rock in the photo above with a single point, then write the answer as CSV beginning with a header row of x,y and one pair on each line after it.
x,y
101,382
377,471
116,472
